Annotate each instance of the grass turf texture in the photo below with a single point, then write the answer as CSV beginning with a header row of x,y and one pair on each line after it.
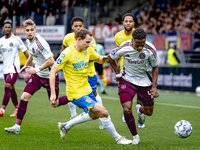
x,y
39,128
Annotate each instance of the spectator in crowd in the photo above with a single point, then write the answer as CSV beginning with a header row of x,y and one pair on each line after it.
x,y
172,56
1,21
4,11
100,22
26,6
51,19
34,6
7,19
44,5
118,19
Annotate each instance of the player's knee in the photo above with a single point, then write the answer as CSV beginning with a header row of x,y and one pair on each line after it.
x,y
127,110
149,113
8,85
54,106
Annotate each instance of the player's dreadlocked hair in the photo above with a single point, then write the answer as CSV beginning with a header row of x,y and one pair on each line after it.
x,y
139,34
75,19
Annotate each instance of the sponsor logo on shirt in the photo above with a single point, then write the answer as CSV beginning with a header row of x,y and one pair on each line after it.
x,y
80,64
135,61
113,52
59,61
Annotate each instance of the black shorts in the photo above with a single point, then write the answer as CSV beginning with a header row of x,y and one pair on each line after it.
x,y
99,68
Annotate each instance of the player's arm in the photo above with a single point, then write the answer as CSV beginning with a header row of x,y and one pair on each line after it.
x,y
28,63
154,92
115,68
113,64
26,54
48,63
52,76
101,59
116,42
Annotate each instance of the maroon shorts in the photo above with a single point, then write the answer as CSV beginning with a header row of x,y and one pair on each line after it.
x,y
10,78
34,83
143,93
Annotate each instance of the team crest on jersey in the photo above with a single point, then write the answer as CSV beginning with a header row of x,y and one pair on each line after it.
x,y
33,50
123,86
85,53
142,56
11,44
30,80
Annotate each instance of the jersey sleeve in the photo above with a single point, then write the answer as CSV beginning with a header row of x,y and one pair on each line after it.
x,y
61,61
153,60
116,40
21,47
44,49
116,53
93,55
65,41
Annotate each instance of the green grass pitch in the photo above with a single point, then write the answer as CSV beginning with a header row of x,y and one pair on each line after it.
x,y
39,129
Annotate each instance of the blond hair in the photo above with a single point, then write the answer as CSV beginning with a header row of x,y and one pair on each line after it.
x,y
29,22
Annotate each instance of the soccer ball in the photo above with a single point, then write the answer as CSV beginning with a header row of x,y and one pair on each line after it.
x,y
197,90
183,129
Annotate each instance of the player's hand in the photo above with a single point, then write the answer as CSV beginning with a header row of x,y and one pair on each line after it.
x,y
23,69
30,70
53,100
117,79
104,58
154,92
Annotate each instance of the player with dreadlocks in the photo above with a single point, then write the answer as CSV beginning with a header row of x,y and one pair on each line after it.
x,y
138,55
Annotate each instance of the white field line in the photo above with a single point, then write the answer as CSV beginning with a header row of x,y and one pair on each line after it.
x,y
112,98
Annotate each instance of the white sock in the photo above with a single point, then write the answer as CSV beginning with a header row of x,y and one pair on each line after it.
x,y
99,100
3,110
79,119
72,109
108,125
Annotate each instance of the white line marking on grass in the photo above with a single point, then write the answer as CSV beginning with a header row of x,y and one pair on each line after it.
x,y
113,98
166,104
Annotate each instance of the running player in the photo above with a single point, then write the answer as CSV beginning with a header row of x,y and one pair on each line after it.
x,y
74,62
77,24
10,45
125,35
138,55
43,57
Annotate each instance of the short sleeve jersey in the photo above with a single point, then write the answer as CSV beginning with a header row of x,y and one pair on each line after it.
x,y
9,48
121,37
70,39
75,66
40,51
136,63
